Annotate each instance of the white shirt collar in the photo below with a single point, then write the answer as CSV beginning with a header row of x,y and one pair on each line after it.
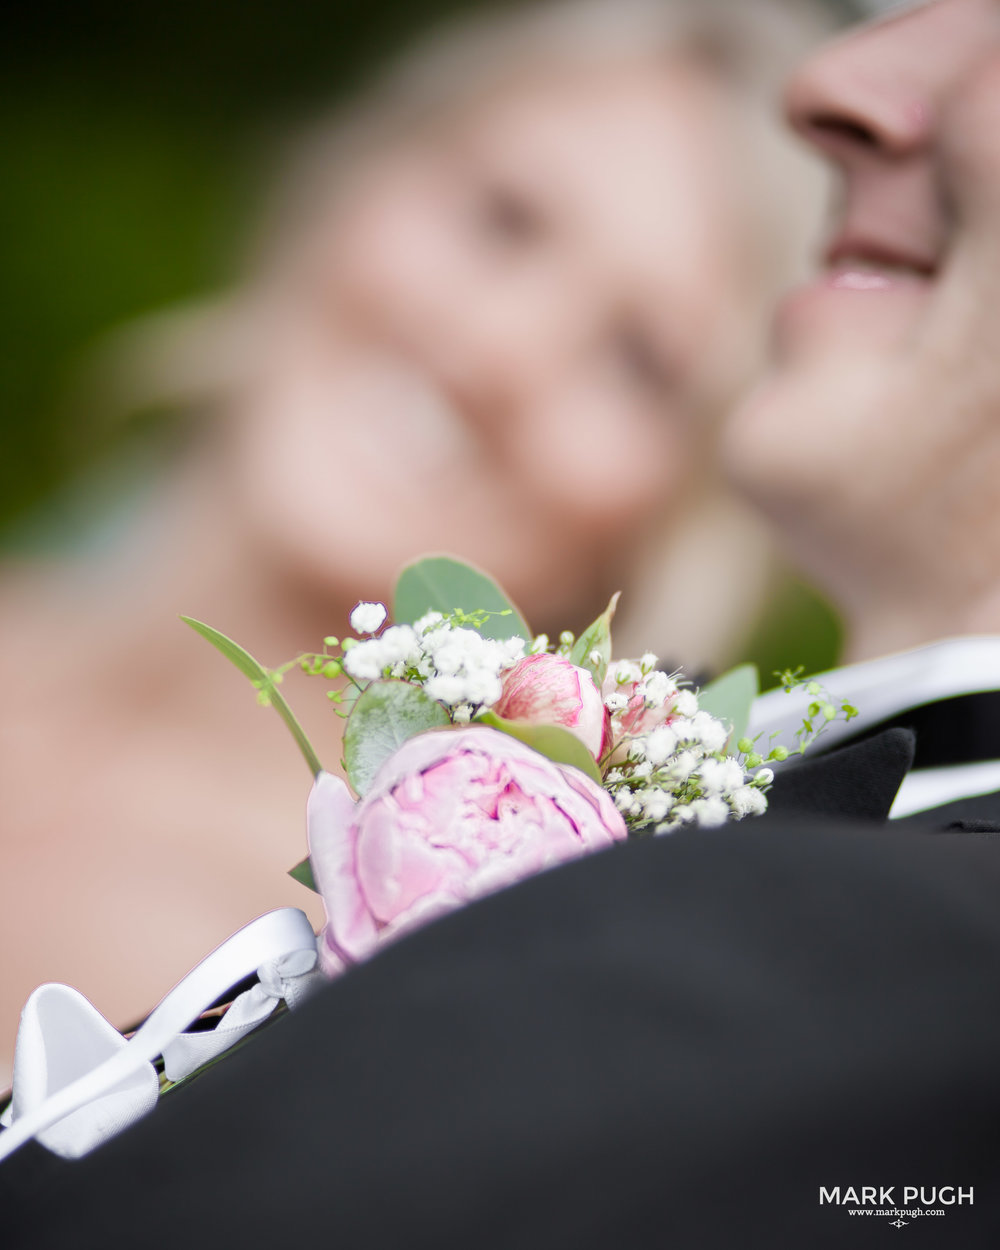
x,y
881,688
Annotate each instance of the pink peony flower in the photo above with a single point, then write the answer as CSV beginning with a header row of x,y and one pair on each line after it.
x,y
549,690
451,815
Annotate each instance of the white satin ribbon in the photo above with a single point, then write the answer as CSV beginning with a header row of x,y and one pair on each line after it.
x,y
77,1081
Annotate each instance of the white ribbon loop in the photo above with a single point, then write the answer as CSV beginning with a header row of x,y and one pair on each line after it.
x,y
61,1038
75,1085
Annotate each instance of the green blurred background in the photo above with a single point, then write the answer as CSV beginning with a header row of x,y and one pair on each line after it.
x,y
134,144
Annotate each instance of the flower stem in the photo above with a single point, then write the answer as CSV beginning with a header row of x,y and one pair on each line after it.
x,y
263,682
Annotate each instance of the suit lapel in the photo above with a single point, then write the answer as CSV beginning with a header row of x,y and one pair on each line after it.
x,y
854,782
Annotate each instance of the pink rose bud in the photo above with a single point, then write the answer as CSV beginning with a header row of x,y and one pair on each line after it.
x,y
549,690
625,680
451,816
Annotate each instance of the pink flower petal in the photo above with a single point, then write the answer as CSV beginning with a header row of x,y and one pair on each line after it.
x,y
330,819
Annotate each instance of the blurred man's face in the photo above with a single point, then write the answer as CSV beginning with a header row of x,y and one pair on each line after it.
x,y
876,435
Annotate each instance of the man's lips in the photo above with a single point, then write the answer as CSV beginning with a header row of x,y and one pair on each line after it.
x,y
860,263
866,287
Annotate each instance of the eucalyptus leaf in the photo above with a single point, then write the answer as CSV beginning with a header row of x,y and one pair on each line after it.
x,y
262,681
552,741
303,873
384,716
442,584
596,640
730,696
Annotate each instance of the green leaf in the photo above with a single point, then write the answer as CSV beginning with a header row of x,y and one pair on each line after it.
x,y
729,698
384,716
263,682
303,873
597,638
552,741
441,584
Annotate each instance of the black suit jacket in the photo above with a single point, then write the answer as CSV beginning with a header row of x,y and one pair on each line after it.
x,y
677,1043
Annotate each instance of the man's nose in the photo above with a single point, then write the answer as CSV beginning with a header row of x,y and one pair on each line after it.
x,y
859,98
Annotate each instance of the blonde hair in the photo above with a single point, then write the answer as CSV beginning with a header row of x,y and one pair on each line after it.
x,y
745,46
179,357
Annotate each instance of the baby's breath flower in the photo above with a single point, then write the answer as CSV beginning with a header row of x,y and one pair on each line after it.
x,y
483,688
710,813
616,702
660,688
427,622
399,642
683,765
704,729
365,660
747,801
660,744
367,618
719,776
686,703
457,665
656,804
539,644
446,688
648,662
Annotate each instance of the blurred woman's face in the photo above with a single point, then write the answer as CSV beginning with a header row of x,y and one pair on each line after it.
x,y
498,344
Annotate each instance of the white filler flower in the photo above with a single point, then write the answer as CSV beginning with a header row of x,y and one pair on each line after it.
x,y
368,617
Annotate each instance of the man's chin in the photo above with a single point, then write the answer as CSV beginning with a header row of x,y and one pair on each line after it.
x,y
827,316
803,432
